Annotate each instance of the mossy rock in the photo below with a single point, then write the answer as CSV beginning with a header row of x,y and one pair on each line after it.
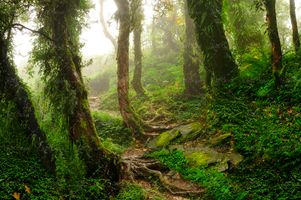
x,y
164,139
221,140
208,157
189,132
203,158
179,134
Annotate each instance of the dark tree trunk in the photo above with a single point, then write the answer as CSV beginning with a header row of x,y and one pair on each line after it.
x,y
296,38
104,25
271,18
126,110
12,89
137,16
212,40
99,162
191,58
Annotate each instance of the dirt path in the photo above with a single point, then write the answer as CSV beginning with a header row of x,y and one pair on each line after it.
x,y
150,174
153,176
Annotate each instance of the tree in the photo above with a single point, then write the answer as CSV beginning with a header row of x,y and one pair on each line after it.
x,y
212,40
245,25
274,39
191,57
137,16
60,64
296,39
12,88
127,112
104,25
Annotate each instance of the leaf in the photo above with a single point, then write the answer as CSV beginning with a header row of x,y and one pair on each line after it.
x,y
27,189
17,195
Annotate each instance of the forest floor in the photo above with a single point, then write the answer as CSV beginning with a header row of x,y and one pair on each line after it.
x,y
158,181
156,178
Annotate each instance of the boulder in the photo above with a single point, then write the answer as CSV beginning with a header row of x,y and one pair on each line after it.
x,y
208,157
221,139
179,134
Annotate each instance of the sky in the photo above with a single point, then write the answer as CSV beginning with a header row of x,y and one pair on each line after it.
x,y
95,43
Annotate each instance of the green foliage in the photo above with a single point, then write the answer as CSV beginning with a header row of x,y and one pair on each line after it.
x,y
130,192
112,131
20,165
217,184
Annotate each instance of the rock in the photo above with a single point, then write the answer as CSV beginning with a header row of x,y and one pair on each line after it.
x,y
189,131
179,134
221,140
208,157
164,139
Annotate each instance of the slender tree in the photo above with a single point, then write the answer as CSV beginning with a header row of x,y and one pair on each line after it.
x,y
61,64
12,89
105,28
137,16
296,39
191,57
127,112
271,18
212,40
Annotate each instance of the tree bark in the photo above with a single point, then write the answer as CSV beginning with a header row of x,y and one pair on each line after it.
x,y
104,25
127,112
212,40
137,18
191,58
99,162
271,18
12,89
296,39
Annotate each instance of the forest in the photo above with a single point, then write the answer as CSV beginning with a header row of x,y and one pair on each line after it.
x,y
150,99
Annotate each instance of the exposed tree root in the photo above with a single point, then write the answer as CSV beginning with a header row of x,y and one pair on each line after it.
x,y
144,168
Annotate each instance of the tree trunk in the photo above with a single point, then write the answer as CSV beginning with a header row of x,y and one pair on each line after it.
x,y
127,113
212,39
99,162
137,16
12,89
191,58
274,40
104,25
296,39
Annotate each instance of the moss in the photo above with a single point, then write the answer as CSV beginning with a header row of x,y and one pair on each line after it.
x,y
190,131
198,159
220,140
83,124
85,103
166,137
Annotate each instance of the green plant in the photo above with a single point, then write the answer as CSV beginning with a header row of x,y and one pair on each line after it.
x,y
130,192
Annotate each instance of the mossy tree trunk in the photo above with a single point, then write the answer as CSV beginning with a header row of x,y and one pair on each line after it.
x,y
271,18
12,89
99,162
136,6
191,57
127,112
212,40
296,39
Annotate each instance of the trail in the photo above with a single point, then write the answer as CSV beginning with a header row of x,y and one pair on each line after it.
x,y
156,179
153,176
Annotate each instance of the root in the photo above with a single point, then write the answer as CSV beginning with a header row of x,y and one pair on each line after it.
x,y
145,168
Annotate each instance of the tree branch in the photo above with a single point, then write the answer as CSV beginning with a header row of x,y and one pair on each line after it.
x,y
21,27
